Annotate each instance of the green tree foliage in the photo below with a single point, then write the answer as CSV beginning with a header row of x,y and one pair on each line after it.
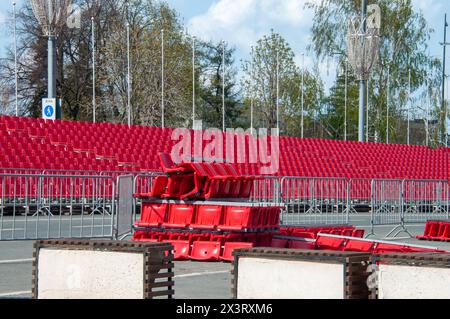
x,y
211,86
404,37
334,114
261,83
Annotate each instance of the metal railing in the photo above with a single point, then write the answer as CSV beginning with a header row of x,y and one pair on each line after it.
x,y
72,204
405,202
314,201
56,206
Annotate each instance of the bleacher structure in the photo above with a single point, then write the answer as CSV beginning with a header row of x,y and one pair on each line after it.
x,y
206,209
29,143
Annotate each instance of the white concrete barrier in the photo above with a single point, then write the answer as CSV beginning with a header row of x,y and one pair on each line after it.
x,y
96,270
289,274
413,276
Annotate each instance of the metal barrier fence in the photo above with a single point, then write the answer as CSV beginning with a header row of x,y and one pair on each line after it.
x,y
425,200
403,202
386,202
125,205
56,206
266,191
314,201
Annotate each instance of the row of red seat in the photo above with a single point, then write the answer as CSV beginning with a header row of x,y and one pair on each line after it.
x,y
298,157
312,232
215,247
438,230
200,181
208,217
205,246
324,242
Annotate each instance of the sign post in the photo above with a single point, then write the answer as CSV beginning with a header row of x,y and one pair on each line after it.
x,y
49,109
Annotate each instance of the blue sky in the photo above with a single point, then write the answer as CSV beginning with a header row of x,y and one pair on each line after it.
x,y
242,22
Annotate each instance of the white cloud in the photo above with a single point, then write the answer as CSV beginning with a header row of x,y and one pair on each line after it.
x,y
243,22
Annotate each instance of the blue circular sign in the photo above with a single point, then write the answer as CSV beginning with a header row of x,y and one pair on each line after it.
x,y
49,110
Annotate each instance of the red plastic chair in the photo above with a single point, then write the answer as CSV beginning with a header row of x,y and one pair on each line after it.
x,y
179,216
329,243
207,217
383,248
153,215
181,249
205,251
358,233
168,165
229,247
236,219
359,246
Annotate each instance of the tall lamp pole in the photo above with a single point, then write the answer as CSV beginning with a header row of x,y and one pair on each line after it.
x,y
15,61
387,104
223,86
363,82
278,90
162,81
93,72
444,108
346,99
129,74
252,95
408,109
193,82
303,97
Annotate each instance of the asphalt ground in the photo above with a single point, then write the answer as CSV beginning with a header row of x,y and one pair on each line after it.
x,y
194,280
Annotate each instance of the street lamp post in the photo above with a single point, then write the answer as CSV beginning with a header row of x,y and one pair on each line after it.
x,y
252,95
93,72
346,99
387,103
408,108
223,86
162,81
278,90
363,82
444,108
193,82
15,61
303,97
128,74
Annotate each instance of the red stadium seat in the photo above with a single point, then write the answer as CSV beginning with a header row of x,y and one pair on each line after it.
x,y
359,246
179,216
383,248
207,217
181,249
153,215
229,247
358,233
206,251
159,186
330,243
236,218
168,166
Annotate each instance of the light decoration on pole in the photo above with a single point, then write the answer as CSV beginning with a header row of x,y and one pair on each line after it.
x,y
363,41
51,14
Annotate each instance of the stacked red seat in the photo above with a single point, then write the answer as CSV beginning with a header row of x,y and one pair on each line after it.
x,y
340,243
312,232
436,230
